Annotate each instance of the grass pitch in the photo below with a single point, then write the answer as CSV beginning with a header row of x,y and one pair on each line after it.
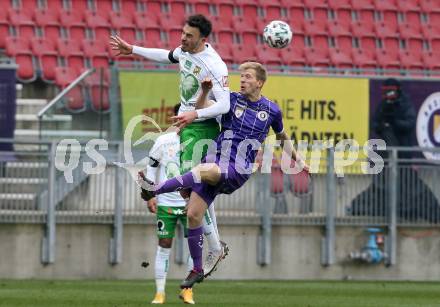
x,y
113,293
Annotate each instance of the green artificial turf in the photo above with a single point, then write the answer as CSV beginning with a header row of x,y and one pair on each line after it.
x,y
221,293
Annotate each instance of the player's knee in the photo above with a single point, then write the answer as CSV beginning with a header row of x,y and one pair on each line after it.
x,y
210,173
165,242
194,217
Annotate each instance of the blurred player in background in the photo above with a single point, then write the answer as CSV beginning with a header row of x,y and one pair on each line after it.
x,y
250,117
169,208
197,61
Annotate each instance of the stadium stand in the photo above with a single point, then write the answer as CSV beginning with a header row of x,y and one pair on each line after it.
x,y
45,35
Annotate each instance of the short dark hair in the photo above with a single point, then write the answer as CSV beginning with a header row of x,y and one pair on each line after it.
x,y
176,109
200,22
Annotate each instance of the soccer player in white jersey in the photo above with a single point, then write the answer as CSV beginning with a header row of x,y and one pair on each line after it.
x,y
164,163
197,61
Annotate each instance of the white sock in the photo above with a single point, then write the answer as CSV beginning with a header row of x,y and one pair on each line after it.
x,y
161,267
189,263
211,234
213,218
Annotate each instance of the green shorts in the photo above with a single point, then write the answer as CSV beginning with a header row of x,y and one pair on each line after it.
x,y
208,129
167,218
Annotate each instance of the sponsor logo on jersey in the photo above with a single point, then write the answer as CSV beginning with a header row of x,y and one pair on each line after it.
x,y
428,125
188,64
160,225
262,115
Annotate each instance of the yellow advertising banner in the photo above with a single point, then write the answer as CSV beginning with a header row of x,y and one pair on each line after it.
x,y
314,108
153,94
319,108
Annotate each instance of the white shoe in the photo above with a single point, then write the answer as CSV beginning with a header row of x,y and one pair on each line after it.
x,y
213,259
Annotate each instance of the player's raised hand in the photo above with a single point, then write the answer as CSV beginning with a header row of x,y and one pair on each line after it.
x,y
119,44
184,119
206,84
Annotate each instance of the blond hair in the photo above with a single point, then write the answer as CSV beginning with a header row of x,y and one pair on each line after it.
x,y
260,70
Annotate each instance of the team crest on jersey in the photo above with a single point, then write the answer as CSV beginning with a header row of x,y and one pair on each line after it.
x,y
239,110
197,70
262,115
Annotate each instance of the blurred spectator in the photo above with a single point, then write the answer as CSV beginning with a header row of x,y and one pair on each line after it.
x,y
394,120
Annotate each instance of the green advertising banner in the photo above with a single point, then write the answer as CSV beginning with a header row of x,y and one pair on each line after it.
x,y
153,94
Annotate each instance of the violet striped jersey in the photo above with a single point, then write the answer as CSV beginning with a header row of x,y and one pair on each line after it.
x,y
247,125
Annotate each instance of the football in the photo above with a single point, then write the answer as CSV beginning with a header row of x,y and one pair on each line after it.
x,y
277,34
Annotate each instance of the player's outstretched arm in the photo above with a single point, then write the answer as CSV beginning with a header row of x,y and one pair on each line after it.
x,y
202,100
152,54
287,146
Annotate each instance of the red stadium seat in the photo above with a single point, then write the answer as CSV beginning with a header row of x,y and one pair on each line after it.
x,y
411,60
74,99
48,20
431,60
224,50
388,59
172,22
268,56
98,90
341,33
318,9
341,58
153,7
297,19
146,20
366,34
317,57
122,23
242,53
365,10
44,51
293,56
364,58
97,51
226,8
388,5
22,19
19,48
178,7
432,8
4,28
128,6
342,8
272,10
74,22
224,31
412,34
104,7
71,50
433,35
79,5
99,23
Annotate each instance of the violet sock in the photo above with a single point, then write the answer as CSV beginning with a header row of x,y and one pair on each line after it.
x,y
195,244
171,185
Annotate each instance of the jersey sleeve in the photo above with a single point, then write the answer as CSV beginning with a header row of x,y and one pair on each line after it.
x,y
220,90
174,55
277,122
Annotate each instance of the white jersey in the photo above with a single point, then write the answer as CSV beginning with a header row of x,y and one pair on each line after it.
x,y
194,67
165,164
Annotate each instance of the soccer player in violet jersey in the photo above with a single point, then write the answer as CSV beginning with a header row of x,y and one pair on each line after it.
x,y
244,128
